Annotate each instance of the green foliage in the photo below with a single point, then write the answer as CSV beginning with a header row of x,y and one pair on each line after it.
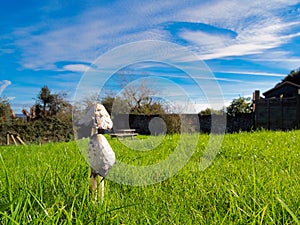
x,y
51,104
5,110
210,111
44,98
239,105
115,104
293,76
253,180
45,129
52,123
173,123
108,102
147,107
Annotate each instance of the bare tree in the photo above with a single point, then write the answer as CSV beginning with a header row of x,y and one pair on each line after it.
x,y
139,95
82,106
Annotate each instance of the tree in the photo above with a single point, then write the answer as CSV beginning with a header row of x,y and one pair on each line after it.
x,y
139,97
59,104
5,110
293,76
152,108
210,111
115,104
108,102
239,105
45,98
49,104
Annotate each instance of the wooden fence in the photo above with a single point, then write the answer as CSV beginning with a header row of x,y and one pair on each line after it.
x,y
192,123
276,113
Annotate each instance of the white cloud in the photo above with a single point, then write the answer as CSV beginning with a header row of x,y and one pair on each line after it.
x,y
10,98
206,40
76,67
257,24
255,40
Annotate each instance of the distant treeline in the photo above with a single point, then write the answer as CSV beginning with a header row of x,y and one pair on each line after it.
x,y
49,119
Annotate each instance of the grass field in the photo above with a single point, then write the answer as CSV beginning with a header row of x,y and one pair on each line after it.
x,y
254,179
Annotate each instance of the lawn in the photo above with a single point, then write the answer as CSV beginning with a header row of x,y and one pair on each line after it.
x,y
254,179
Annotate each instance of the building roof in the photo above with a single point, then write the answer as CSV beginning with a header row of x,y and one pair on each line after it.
x,y
281,86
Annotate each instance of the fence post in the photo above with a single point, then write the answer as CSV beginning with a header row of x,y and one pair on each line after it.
x,y
7,139
282,113
298,109
268,118
256,97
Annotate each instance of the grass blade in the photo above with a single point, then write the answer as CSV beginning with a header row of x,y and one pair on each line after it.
x,y
39,203
7,205
8,184
285,206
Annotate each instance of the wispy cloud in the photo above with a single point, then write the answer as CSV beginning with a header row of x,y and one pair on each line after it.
x,y
85,36
63,44
258,25
205,41
253,73
254,40
234,15
82,38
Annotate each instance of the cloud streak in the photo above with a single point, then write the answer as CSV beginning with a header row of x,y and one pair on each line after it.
x,y
253,73
254,40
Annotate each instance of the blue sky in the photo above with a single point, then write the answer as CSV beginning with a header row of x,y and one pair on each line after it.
x,y
247,45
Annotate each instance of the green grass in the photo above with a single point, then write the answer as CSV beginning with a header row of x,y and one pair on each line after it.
x,y
254,179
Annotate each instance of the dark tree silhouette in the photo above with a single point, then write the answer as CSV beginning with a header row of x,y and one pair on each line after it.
x,y
50,104
293,76
45,98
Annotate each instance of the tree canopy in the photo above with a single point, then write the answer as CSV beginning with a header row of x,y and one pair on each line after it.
x,y
239,105
5,109
293,76
210,111
49,104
